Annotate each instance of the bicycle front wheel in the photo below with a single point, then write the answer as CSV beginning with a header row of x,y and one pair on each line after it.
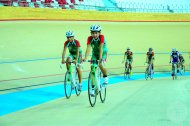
x,y
182,70
125,73
146,75
67,85
92,97
77,90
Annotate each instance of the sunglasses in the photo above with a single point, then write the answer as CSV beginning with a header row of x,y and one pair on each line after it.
x,y
70,37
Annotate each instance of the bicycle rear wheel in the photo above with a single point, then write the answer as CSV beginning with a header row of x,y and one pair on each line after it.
x,y
129,73
151,74
67,85
77,91
92,99
103,90
103,93
125,74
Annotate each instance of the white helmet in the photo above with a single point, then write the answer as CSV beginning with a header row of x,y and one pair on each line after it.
x,y
173,49
96,28
69,34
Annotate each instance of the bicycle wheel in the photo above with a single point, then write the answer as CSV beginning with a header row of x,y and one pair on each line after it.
x,y
77,91
176,77
67,85
182,70
92,99
125,74
128,73
103,93
146,75
103,90
151,74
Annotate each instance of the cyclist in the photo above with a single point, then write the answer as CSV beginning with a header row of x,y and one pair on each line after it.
x,y
181,60
150,57
128,55
75,55
97,43
174,59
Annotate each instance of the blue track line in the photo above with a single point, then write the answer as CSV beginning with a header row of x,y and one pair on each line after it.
x,y
12,102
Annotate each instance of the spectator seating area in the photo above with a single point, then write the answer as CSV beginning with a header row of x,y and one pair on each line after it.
x,y
61,4
105,5
153,6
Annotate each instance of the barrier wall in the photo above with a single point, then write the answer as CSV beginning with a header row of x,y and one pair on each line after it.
x,y
24,13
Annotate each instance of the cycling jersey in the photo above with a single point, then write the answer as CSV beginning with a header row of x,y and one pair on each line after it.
x,y
129,55
72,46
95,44
175,57
150,55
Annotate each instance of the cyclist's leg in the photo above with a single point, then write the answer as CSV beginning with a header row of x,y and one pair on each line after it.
x,y
104,70
173,67
79,72
126,63
130,63
149,62
93,58
177,64
152,64
69,59
182,65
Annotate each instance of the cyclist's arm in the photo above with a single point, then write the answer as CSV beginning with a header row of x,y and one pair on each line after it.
x,y
146,58
101,51
171,59
88,49
63,54
124,57
77,55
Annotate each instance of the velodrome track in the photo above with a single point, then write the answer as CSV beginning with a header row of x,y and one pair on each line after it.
x,y
25,50
161,101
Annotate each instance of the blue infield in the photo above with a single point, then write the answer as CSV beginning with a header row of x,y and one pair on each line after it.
x,y
15,101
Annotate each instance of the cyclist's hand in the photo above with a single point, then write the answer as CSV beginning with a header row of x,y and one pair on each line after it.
x,y
63,62
83,60
100,61
74,61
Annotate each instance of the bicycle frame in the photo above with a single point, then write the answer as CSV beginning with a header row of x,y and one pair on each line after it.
x,y
174,71
149,71
95,71
95,79
127,70
72,73
70,80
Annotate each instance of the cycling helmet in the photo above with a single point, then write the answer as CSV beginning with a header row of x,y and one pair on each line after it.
x,y
174,49
128,48
69,34
95,28
150,49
